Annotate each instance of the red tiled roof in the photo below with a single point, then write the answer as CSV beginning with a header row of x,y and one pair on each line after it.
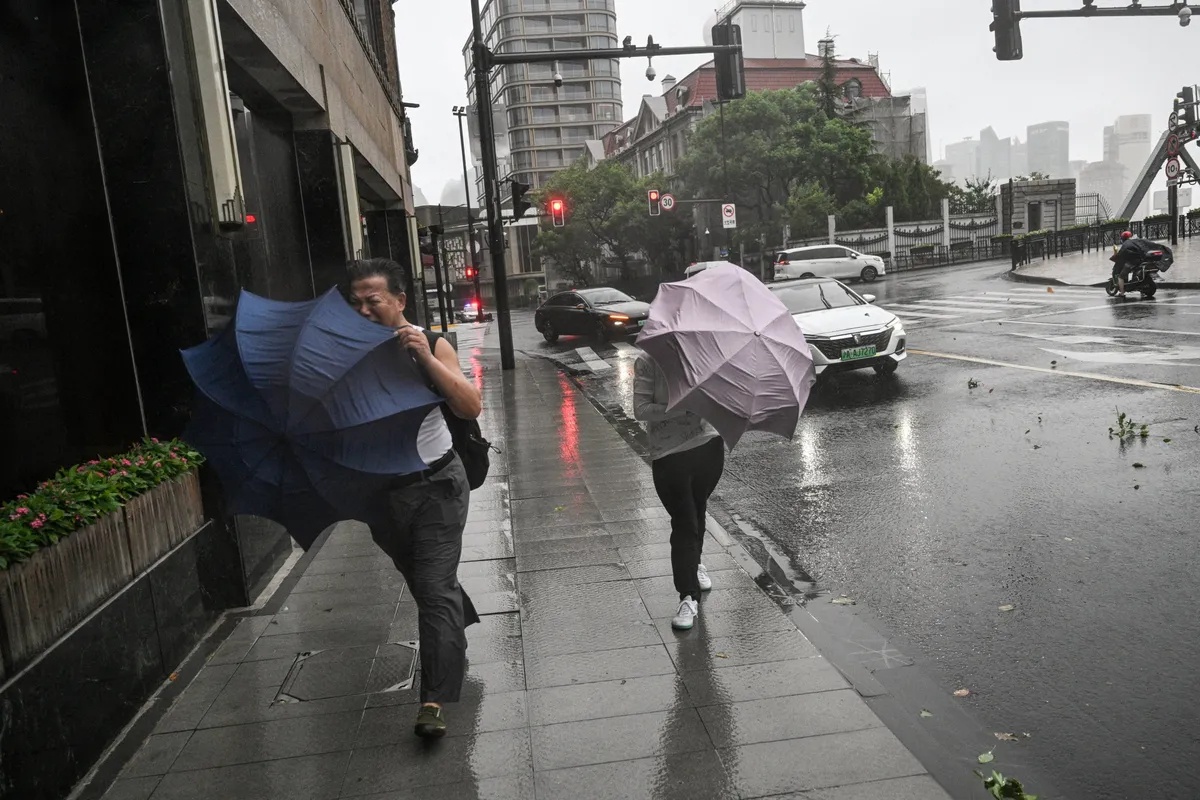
x,y
783,73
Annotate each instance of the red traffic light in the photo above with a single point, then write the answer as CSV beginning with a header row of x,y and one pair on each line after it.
x,y
558,212
556,205
655,202
653,195
470,273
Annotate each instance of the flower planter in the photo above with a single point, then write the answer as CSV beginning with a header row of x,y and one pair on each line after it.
x,y
162,518
56,587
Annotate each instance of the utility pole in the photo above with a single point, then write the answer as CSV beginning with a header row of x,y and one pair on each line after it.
x,y
484,61
460,112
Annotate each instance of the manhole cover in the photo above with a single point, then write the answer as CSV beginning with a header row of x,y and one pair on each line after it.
x,y
323,674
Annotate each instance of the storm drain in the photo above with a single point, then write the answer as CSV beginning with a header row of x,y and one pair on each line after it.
x,y
323,674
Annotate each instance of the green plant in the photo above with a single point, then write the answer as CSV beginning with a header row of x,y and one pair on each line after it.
x,y
1127,428
921,249
1119,222
1002,237
78,496
1003,788
1195,212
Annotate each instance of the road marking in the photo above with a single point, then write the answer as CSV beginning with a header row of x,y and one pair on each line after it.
x,y
1068,373
1057,290
592,361
965,309
982,303
626,349
999,298
923,314
1086,327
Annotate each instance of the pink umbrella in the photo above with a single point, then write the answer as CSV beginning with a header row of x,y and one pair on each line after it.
x,y
730,352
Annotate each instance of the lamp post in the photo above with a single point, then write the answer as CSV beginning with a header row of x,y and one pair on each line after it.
x,y
461,112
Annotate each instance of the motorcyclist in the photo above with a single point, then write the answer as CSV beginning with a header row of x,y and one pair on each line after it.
x,y
1128,255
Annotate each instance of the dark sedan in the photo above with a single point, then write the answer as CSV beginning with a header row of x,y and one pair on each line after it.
x,y
603,313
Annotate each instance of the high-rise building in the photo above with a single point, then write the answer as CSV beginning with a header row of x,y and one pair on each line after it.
x,y
770,28
994,158
964,159
547,126
1050,149
1129,145
1107,179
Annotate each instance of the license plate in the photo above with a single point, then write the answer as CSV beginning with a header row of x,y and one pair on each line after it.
x,y
855,353
641,323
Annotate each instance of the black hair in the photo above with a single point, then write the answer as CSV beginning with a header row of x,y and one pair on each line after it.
x,y
378,267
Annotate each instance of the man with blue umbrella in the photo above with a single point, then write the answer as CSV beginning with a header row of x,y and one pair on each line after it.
x,y
426,510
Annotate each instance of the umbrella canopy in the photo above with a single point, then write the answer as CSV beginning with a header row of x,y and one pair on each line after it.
x,y
730,352
306,410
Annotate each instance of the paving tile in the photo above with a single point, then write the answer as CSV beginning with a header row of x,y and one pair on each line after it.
x,y
340,566
701,652
509,787
191,706
487,713
569,544
762,681
496,677
263,673
608,628
731,623
487,584
487,569
557,704
653,568
156,755
496,638
316,777
681,776
779,718
525,533
626,514
239,641
132,789
246,704
268,741
545,598
342,598
496,602
383,577
772,768
486,547
578,517
917,787
412,763
604,665
348,548
292,644
664,606
577,500
664,585
574,744
579,558
660,539
331,619
404,624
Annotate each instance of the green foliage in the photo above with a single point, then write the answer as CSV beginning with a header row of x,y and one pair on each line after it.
x,y
1002,788
608,218
1127,428
78,496
1157,218
978,197
1195,212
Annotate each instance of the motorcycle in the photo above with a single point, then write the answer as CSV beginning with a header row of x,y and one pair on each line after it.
x,y
1143,276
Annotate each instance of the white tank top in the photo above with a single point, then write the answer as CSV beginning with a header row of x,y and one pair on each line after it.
x,y
433,439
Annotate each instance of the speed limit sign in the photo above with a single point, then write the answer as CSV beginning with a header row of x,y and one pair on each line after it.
x,y
667,202
1173,169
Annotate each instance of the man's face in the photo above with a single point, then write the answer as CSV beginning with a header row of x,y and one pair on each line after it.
x,y
371,298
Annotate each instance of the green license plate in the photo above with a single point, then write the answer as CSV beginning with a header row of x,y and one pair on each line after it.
x,y
855,353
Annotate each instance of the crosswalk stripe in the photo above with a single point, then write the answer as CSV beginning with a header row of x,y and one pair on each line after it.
x,y
988,304
926,314
1000,298
592,361
962,309
1057,290
625,348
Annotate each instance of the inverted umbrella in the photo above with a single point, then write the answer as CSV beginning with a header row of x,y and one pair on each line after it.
x,y
730,352
306,410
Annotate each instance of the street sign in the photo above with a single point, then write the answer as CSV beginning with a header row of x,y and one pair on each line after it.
x,y
729,215
667,202
1173,145
1173,121
1173,168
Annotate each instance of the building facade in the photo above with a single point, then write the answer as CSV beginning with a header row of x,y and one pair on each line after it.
x,y
546,125
1049,149
769,29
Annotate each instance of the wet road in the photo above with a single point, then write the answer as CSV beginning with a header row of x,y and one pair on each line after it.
x,y
983,476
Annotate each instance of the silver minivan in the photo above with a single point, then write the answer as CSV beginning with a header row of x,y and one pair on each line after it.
x,y
827,261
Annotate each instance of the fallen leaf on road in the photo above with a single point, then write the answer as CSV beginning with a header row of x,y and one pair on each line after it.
x,y
559,508
722,655
1049,290
1027,432
986,758
1037,447
925,713
962,693
1136,487
1027,735
1007,607
843,601
174,676
1006,737
1138,465
1068,539
1166,441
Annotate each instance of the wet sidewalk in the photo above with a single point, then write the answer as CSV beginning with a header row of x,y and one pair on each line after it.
x,y
577,687
1094,269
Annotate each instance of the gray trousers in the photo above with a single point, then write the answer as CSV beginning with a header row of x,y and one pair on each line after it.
x,y
423,536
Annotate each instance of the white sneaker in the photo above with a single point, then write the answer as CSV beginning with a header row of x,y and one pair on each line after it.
x,y
702,577
689,609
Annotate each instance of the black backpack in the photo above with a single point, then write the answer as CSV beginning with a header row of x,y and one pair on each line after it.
x,y
472,448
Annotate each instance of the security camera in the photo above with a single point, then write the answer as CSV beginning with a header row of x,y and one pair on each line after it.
x,y
1185,17
558,79
650,73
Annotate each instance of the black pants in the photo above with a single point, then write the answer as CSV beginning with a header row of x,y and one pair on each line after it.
x,y
423,536
684,482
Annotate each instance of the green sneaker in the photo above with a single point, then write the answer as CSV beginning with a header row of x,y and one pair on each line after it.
x,y
430,723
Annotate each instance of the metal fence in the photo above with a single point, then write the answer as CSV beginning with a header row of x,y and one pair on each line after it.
x,y
1102,236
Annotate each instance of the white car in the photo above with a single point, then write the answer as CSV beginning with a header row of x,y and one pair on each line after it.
x,y
844,330
828,261
701,266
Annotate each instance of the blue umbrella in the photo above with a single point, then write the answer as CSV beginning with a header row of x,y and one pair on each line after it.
x,y
306,410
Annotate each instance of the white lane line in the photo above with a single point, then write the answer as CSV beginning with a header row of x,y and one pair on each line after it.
x,y
921,307
926,314
1085,327
1068,373
625,348
1057,290
982,303
999,298
592,361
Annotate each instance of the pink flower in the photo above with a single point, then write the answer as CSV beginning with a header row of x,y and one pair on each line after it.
x,y
124,474
125,462
37,523
22,511
22,496
158,464
112,472
154,440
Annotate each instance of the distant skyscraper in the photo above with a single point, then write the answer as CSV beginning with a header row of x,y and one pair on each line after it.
x,y
1107,179
964,159
548,126
1050,149
995,156
1130,147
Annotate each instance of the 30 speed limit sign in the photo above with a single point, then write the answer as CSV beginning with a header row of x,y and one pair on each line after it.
x,y
667,202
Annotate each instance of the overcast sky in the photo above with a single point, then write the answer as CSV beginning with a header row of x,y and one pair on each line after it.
x,y
1085,71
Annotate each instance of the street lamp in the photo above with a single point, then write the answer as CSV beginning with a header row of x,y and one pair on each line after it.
x,y
461,112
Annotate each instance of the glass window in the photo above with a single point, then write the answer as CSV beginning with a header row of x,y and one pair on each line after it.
x,y
567,24
543,138
543,115
511,27
535,25
519,139
608,111
537,45
816,297
572,154
561,43
575,113
604,297
517,94
602,42
577,134
519,116
599,22
510,6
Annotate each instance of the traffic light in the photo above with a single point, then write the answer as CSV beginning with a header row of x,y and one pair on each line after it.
x,y
731,67
1006,24
470,273
1185,107
558,212
519,203
655,202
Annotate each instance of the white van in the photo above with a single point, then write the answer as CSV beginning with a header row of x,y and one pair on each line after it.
x,y
827,261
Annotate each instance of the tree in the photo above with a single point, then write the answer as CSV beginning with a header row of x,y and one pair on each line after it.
x,y
978,197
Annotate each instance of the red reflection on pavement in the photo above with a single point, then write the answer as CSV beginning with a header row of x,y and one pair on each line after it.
x,y
569,439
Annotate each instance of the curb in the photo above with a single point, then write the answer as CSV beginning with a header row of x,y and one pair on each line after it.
x,y
1017,277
